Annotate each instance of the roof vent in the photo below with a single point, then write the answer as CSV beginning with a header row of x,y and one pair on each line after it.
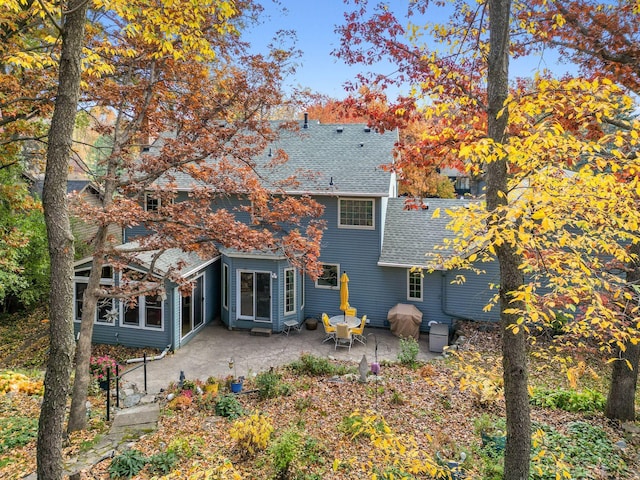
x,y
306,120
270,154
367,129
340,129
362,144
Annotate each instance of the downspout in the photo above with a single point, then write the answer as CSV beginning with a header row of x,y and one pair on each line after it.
x,y
443,300
157,357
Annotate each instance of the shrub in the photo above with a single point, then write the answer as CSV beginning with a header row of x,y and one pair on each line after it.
x,y
357,425
98,367
19,383
270,385
284,450
228,406
182,401
587,400
127,464
163,462
185,447
252,434
311,365
408,354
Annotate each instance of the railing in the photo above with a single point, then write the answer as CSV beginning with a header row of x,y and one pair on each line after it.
x,y
143,365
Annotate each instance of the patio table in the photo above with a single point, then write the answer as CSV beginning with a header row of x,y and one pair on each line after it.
x,y
350,320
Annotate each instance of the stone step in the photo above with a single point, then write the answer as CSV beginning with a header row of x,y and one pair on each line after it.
x,y
261,332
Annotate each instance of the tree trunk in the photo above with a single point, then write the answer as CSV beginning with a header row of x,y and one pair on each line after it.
x,y
514,351
78,412
54,196
622,391
624,380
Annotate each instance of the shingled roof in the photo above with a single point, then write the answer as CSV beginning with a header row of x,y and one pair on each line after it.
x,y
410,234
327,159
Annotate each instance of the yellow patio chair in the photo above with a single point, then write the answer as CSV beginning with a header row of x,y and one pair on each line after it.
x,y
358,332
351,311
329,329
343,336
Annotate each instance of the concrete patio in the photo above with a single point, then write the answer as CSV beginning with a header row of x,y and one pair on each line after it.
x,y
209,352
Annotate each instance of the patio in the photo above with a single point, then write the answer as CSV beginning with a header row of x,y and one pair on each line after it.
x,y
209,352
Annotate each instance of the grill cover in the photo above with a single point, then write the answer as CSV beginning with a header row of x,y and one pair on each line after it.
x,y
405,320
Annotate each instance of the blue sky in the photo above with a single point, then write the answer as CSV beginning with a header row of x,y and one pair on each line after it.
x,y
315,21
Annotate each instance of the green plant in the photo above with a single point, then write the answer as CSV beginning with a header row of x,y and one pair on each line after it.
x,y
579,454
252,434
17,431
127,464
357,425
185,447
284,450
311,365
302,403
397,398
408,354
229,407
270,385
587,400
163,462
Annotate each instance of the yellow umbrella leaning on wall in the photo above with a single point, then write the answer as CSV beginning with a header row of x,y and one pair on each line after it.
x,y
344,292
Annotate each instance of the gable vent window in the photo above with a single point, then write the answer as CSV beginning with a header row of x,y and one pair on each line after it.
x,y
356,213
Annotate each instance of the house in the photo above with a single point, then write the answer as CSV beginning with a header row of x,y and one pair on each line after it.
x,y
369,235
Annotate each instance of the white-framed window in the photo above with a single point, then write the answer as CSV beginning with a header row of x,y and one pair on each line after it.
x,y
225,286
289,291
329,278
356,213
106,308
151,202
146,313
414,284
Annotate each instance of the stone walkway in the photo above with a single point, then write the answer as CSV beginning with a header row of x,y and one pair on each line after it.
x,y
128,424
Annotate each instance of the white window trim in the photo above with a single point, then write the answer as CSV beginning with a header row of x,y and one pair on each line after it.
x,y
293,291
226,282
358,227
85,280
328,287
409,297
238,296
302,288
142,324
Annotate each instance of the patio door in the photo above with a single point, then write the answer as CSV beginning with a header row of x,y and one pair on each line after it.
x,y
255,296
192,308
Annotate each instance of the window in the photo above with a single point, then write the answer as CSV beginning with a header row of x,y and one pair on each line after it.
x,y
151,203
414,284
147,313
329,276
106,311
356,213
225,286
289,291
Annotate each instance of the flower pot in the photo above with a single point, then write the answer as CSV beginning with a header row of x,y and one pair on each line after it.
x,y
311,323
236,387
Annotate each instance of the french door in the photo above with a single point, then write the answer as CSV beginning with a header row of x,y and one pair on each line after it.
x,y
192,308
255,296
